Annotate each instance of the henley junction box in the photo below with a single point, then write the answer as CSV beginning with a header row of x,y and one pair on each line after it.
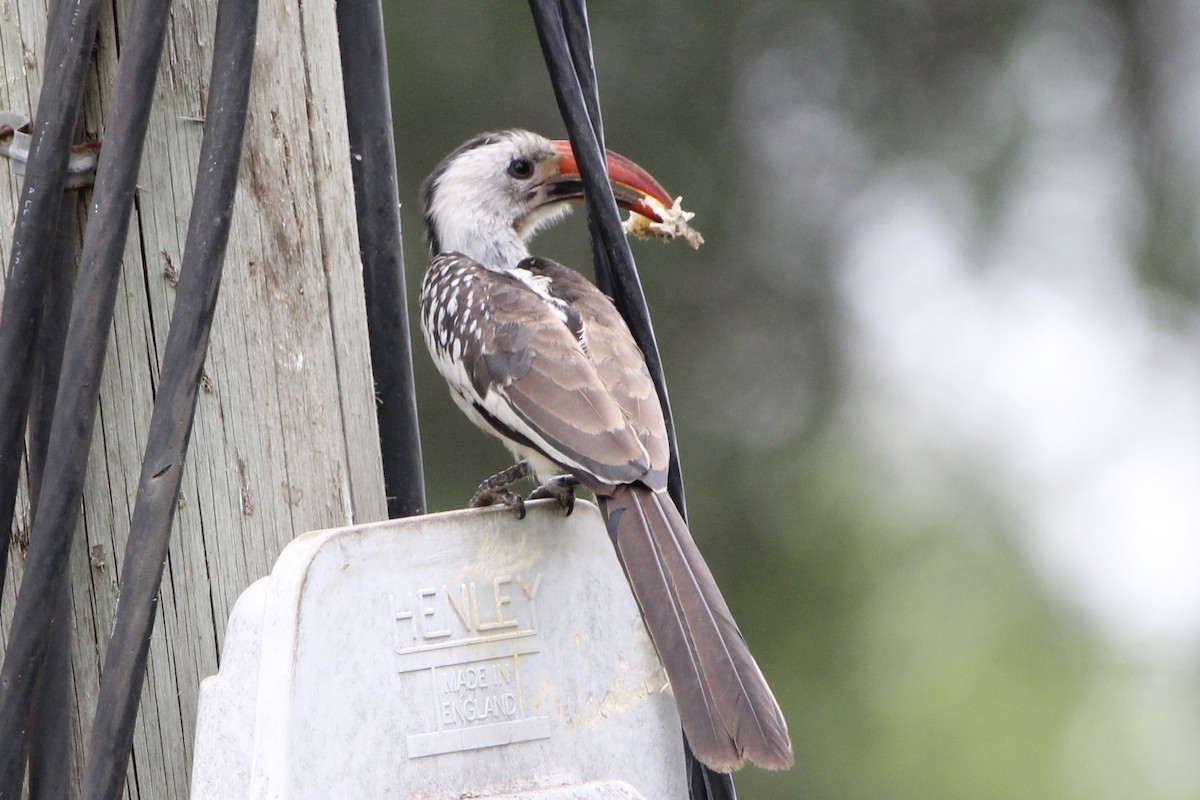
x,y
465,654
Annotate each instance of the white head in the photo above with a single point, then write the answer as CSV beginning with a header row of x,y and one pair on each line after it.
x,y
493,193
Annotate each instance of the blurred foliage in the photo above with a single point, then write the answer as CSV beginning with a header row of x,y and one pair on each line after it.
x,y
917,651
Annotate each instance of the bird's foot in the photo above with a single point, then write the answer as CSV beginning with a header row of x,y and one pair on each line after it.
x,y
561,488
491,497
494,490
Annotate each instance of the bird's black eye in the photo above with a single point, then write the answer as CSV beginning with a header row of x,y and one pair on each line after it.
x,y
521,168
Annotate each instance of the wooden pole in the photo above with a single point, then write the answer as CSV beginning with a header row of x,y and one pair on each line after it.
x,y
285,437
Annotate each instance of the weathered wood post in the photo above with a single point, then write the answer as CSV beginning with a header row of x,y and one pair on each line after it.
x,y
285,436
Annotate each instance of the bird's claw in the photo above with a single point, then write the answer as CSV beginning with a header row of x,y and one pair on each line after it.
x,y
561,488
491,496
495,491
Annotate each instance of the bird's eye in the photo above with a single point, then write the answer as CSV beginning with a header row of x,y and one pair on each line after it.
x,y
521,168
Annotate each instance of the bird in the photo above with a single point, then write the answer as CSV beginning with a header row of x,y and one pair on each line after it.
x,y
539,357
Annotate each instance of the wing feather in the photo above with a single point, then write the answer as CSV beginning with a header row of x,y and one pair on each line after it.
x,y
619,363
525,368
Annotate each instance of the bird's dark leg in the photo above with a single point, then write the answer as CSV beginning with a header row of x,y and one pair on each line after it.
x,y
495,489
561,488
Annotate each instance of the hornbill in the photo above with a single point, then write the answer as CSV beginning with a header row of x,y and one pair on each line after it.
x,y
539,357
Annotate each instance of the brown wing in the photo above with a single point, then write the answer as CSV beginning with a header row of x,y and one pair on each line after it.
x,y
618,362
527,374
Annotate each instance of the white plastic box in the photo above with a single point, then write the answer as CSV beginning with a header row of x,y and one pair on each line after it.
x,y
466,654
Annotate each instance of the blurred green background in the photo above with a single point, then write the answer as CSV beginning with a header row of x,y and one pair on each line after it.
x,y
935,371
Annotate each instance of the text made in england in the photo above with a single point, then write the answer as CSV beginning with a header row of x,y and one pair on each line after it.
x,y
480,692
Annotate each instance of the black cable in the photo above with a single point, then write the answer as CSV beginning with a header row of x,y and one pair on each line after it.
x,y
626,288
579,43
373,165
175,401
49,738
71,38
566,44
50,728
75,407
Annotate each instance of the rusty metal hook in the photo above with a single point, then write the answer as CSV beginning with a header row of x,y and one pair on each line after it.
x,y
16,137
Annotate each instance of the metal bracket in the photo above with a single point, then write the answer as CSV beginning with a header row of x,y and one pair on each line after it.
x,y
15,139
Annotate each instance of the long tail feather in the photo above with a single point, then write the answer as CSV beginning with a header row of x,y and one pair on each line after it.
x,y
727,709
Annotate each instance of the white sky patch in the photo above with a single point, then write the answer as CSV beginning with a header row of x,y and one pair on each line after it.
x,y
1085,411
1021,348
